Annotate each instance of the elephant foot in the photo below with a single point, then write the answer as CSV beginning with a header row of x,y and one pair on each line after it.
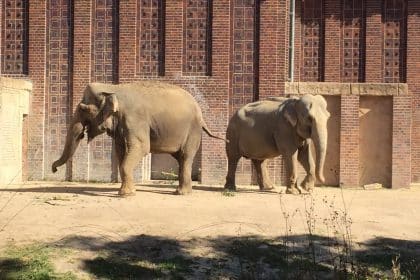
x,y
266,188
307,187
230,187
293,190
183,191
124,192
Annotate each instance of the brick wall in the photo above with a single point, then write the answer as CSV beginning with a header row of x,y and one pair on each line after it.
x,y
226,53
413,65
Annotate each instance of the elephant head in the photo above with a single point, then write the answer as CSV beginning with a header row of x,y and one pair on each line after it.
x,y
93,116
309,116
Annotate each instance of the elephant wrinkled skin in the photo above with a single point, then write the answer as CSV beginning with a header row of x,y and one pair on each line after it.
x,y
142,117
279,126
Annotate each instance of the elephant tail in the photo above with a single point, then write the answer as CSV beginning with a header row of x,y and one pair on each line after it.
x,y
209,133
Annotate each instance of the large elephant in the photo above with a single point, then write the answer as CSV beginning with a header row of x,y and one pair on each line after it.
x,y
142,117
280,126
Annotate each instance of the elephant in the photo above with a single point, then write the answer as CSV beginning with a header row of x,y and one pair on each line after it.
x,y
142,117
279,126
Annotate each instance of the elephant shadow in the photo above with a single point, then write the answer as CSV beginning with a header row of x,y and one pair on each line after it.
x,y
107,190
65,189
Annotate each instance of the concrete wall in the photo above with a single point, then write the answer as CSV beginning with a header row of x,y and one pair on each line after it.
x,y
14,103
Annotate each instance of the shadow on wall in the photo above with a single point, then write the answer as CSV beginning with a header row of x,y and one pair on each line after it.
x,y
244,257
375,161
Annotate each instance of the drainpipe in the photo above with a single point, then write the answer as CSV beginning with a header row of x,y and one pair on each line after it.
x,y
292,40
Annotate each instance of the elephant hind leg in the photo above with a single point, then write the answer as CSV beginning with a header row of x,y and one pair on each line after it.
x,y
185,158
305,157
230,177
262,174
185,182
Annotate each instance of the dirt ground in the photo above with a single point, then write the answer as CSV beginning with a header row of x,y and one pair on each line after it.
x,y
91,217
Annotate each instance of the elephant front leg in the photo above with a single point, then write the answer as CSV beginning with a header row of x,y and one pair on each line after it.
x,y
305,157
119,150
262,175
131,159
291,169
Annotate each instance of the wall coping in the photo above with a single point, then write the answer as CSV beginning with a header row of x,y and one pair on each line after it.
x,y
330,88
19,84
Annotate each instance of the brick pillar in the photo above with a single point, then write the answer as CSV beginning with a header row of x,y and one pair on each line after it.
x,y
58,111
216,113
349,141
81,76
272,34
128,67
332,39
401,141
272,61
36,69
173,34
413,70
244,75
374,41
128,43
298,40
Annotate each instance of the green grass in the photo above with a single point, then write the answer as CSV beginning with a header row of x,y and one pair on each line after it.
x,y
34,262
30,263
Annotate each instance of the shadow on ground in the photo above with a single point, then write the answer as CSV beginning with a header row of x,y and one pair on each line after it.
x,y
81,190
247,257
112,191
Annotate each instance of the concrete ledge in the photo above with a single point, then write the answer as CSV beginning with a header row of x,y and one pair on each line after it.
x,y
327,88
16,84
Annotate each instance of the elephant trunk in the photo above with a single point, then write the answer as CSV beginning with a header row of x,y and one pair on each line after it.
x,y
320,138
74,134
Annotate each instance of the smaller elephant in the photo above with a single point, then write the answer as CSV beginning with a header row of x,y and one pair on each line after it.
x,y
143,117
279,126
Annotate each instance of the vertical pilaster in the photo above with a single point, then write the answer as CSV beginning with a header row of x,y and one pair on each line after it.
x,y
129,23
173,37
58,91
401,141
216,106
36,72
374,41
349,141
81,77
332,37
413,81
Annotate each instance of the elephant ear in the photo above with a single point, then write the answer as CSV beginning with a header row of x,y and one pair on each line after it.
x,y
289,112
109,105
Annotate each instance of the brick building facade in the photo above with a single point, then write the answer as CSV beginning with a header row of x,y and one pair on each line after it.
x,y
363,55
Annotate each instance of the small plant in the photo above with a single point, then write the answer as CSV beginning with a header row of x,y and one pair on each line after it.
x,y
396,268
228,193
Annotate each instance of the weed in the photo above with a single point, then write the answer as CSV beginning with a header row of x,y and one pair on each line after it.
x,y
228,193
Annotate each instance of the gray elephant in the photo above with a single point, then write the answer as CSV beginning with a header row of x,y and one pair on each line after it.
x,y
280,126
142,117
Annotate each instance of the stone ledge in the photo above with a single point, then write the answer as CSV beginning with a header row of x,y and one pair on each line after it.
x,y
18,84
328,88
